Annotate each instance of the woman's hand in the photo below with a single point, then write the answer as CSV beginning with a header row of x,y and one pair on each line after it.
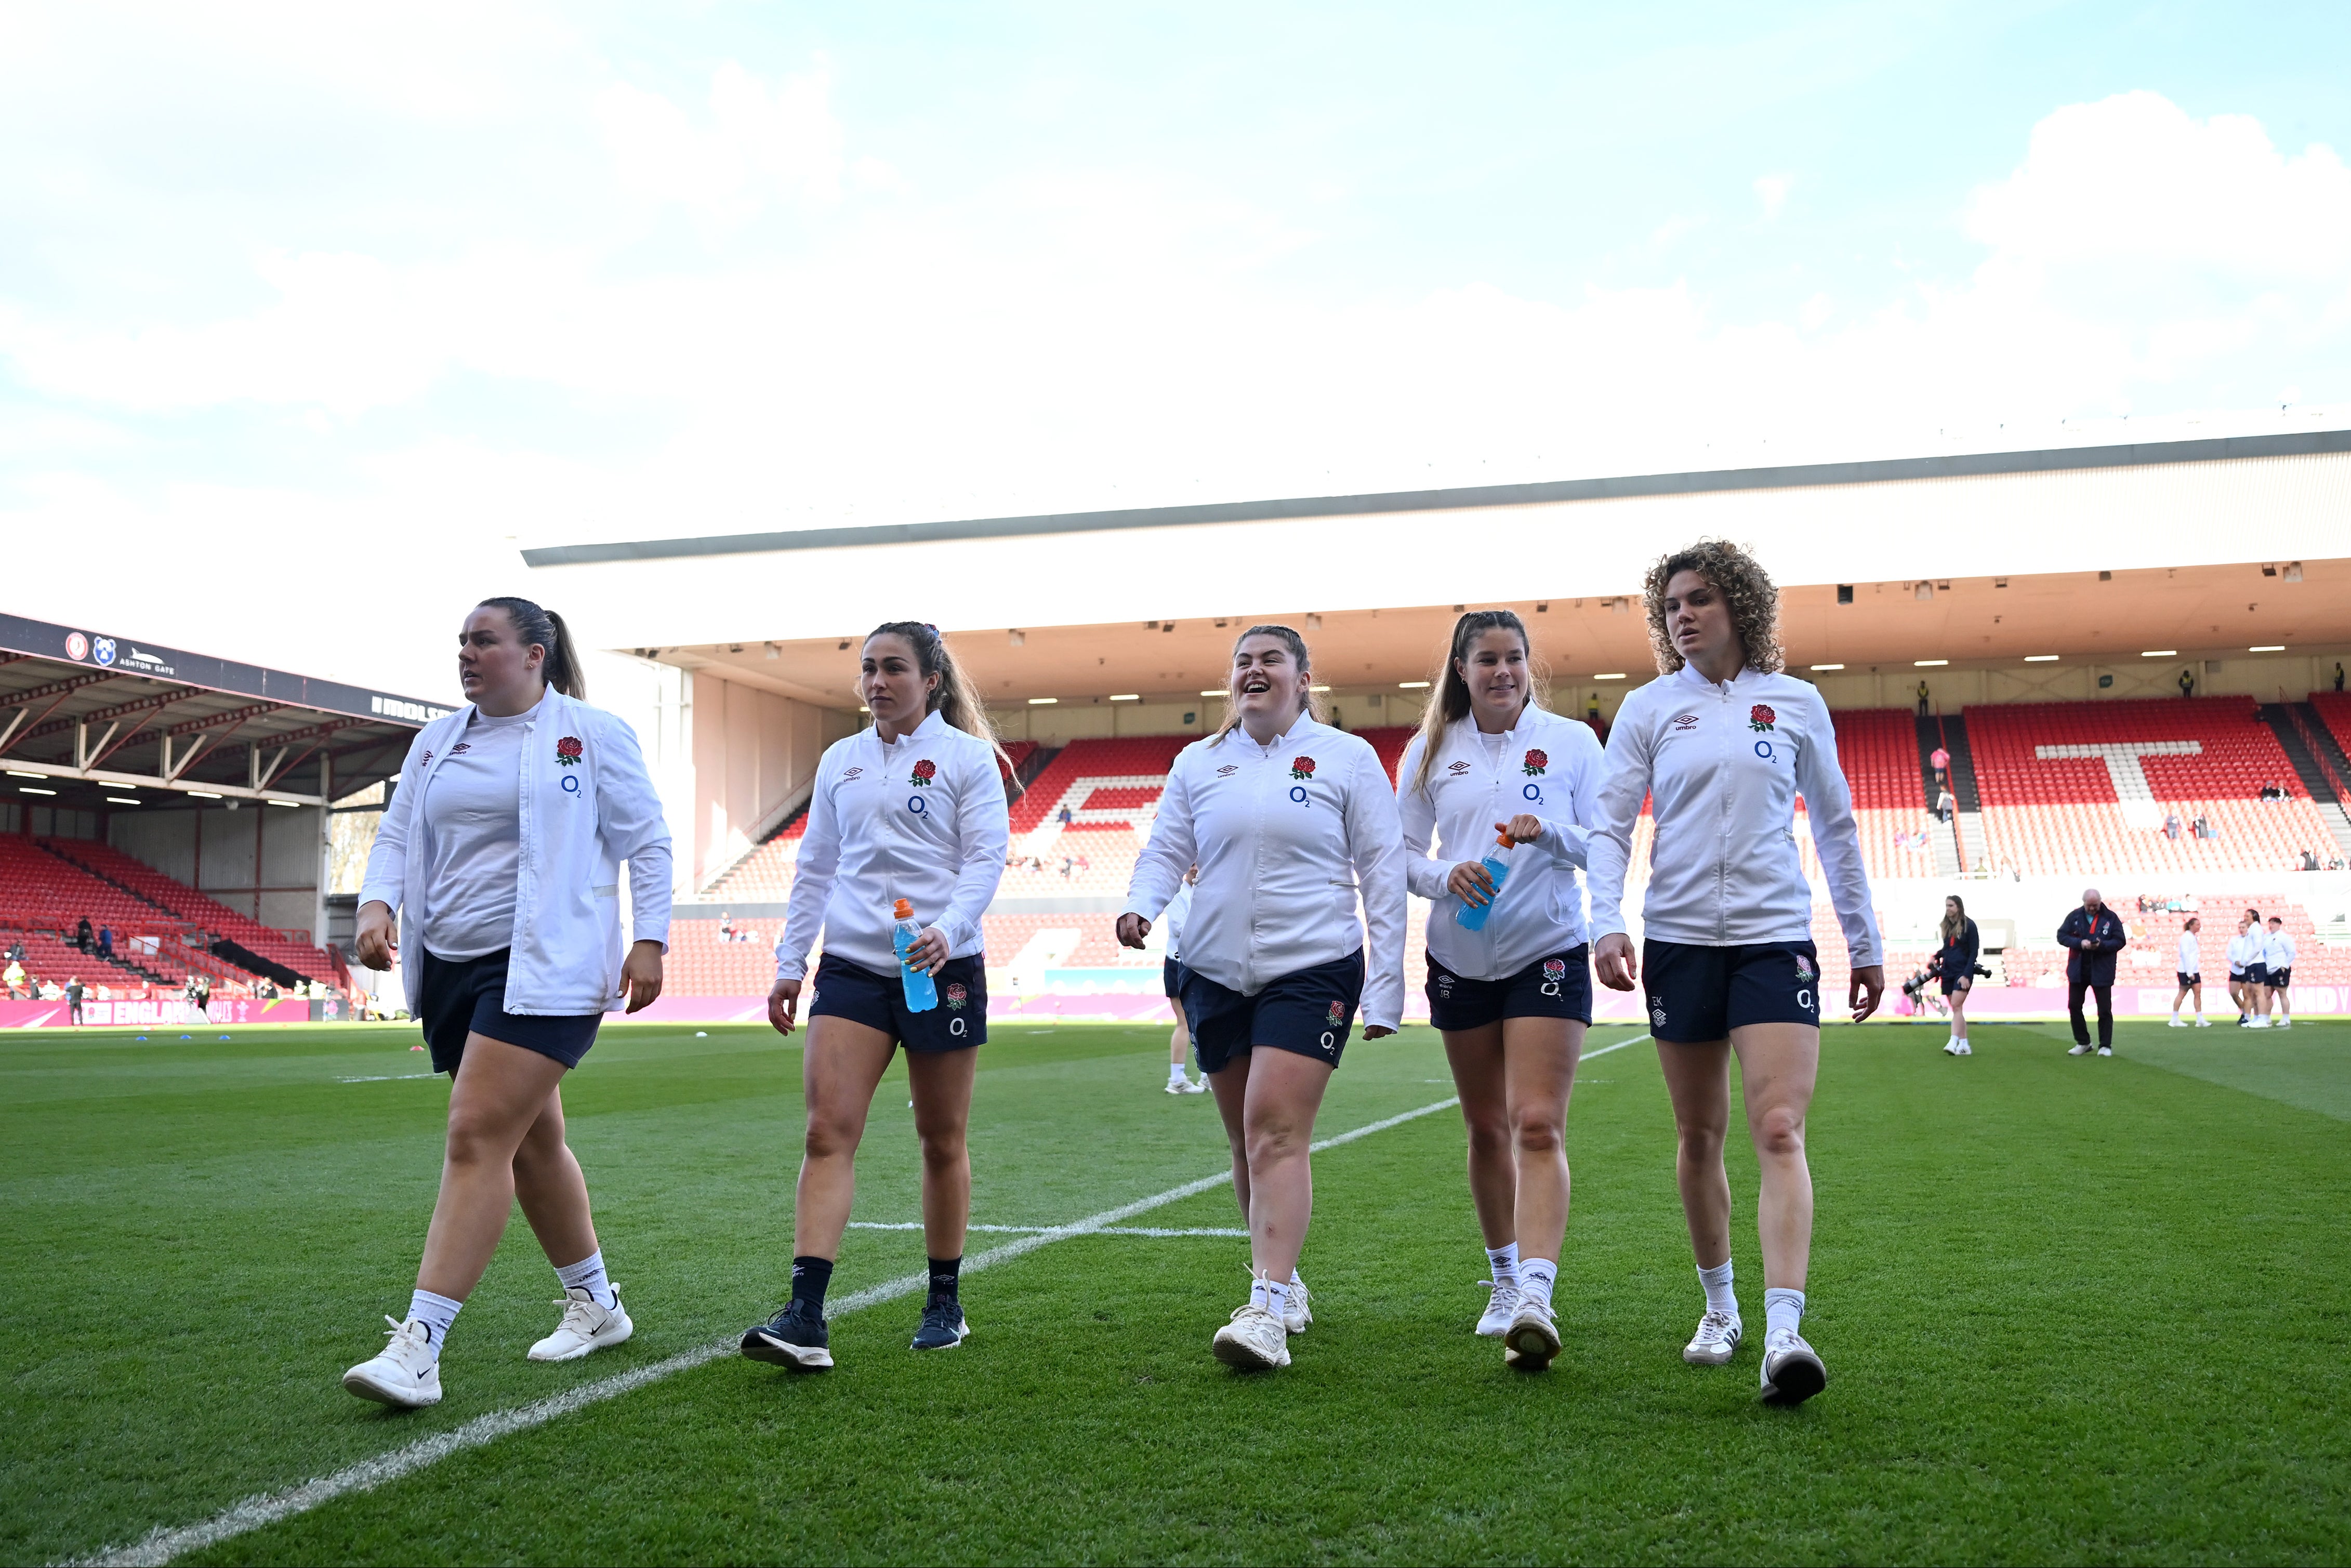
x,y
927,952
377,938
782,1003
1868,985
1523,829
1471,883
1614,961
1376,1031
641,975
1132,930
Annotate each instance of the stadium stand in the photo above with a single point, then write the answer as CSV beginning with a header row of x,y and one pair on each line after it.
x,y
43,896
146,883
2086,788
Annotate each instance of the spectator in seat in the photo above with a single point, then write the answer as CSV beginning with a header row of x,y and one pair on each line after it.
x,y
2171,825
73,997
725,926
106,942
82,935
2094,933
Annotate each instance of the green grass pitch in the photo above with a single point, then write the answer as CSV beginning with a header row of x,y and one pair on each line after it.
x,y
2073,1310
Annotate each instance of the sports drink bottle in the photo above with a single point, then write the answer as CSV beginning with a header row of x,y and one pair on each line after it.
x,y
922,996
1497,866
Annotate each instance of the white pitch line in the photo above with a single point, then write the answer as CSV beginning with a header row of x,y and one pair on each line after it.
x,y
1041,1229
162,1545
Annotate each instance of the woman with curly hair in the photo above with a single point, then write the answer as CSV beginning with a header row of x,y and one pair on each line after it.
x,y
1509,988
1722,744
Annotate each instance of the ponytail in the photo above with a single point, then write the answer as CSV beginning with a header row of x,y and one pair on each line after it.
x,y
1451,700
1956,922
1311,707
546,628
953,699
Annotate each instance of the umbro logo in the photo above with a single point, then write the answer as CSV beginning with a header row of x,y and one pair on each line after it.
x,y
1459,767
1685,721
1228,768
853,773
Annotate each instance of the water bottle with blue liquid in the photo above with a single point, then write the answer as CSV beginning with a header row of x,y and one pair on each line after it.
x,y
922,995
1472,918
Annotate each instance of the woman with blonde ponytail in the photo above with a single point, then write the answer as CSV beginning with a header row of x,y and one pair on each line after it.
x,y
1513,996
908,816
1289,821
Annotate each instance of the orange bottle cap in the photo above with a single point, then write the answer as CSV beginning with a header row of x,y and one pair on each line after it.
x,y
902,910
1504,840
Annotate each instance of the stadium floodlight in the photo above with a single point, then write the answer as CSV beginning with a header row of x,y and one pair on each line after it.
x,y
1618,675
20,773
2268,648
296,804
1318,688
123,800
1126,697
1927,664
1828,666
28,790
2160,654
2039,658
205,794
1043,702
1212,691
1412,685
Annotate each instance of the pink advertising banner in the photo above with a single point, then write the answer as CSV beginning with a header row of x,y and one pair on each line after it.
x,y
151,1014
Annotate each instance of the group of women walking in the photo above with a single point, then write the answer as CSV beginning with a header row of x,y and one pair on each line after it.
x,y
1289,854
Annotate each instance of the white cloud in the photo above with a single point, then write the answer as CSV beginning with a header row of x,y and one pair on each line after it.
x,y
758,146
1772,189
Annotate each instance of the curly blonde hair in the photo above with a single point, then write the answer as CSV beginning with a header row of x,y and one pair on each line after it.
x,y
1746,588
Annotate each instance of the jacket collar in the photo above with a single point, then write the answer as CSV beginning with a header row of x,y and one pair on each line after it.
x,y
928,730
1688,675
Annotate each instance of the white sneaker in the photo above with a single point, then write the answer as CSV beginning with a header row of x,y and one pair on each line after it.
x,y
1255,1341
2259,1023
1296,1315
2106,1050
1716,1342
1501,1309
1951,1048
1965,1050
1194,1086
2203,1023
406,1372
1533,1336
2284,1023
2176,1022
1177,1086
586,1327
1792,1372
2082,1050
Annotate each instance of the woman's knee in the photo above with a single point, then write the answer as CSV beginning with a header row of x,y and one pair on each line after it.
x,y
943,1146
478,1136
1780,1132
1490,1133
1535,1129
831,1133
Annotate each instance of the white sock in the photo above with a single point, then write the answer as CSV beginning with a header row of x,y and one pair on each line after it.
x,y
1783,1310
588,1273
1277,1297
1505,1263
1175,1072
1260,1293
436,1313
1536,1277
1717,1281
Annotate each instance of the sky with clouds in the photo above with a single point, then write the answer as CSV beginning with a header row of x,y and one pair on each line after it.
x,y
297,294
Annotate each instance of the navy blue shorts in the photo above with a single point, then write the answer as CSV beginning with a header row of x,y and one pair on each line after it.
x,y
1310,1012
2278,980
1558,987
847,990
2257,974
1170,975
2186,979
1698,994
467,996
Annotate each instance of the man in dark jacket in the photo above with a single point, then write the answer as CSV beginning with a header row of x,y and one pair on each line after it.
x,y
2094,933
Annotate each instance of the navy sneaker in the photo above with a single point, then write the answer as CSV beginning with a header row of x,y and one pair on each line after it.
x,y
795,1339
943,1324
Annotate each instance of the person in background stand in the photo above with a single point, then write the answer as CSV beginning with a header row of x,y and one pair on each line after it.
x,y
1172,976
2187,683
1940,760
106,942
1923,710
73,998
82,935
2094,933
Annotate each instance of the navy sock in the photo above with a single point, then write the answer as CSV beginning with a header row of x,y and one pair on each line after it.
x,y
810,1276
945,1273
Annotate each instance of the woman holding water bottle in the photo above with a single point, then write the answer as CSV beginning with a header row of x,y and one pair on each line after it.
x,y
906,838
1289,821
1506,790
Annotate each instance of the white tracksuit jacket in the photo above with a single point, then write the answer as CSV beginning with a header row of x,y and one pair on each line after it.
x,y
923,820
1547,767
2244,951
587,804
2277,951
1285,836
1722,766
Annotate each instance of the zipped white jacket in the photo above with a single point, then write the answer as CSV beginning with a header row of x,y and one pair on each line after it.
x,y
2244,951
585,804
1722,766
1179,909
923,820
2191,960
1547,767
2277,951
1286,835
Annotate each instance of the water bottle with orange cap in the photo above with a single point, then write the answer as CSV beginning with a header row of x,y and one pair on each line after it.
x,y
1472,916
922,995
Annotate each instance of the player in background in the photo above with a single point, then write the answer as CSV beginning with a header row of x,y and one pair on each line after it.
x,y
499,853
1513,997
1956,962
1172,974
2191,974
1289,820
2277,977
2244,952
1724,742
912,808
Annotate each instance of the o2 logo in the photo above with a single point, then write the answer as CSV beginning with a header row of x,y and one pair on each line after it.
x,y
571,783
1298,793
958,1026
918,805
1534,792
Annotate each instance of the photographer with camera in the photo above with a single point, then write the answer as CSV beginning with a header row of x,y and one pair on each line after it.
x,y
1956,962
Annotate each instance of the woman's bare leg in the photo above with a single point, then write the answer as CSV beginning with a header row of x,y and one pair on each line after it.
x,y
1478,1078
1284,1092
941,1081
1540,1055
1777,1063
839,1069
501,1090
552,1191
1698,1080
